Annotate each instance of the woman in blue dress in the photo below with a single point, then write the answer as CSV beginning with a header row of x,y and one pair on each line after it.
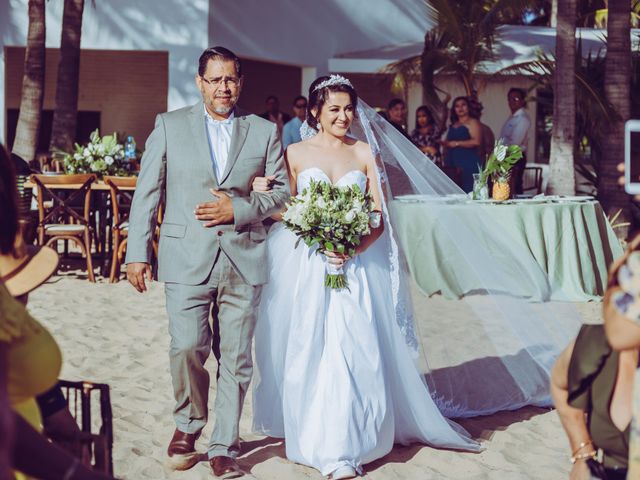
x,y
463,139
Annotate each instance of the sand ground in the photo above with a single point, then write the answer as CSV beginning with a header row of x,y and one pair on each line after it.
x,y
109,333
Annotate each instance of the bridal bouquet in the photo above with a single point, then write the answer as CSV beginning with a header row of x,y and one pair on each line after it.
x,y
333,218
102,155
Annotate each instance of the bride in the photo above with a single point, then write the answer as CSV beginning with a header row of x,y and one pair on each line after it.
x,y
335,376
339,372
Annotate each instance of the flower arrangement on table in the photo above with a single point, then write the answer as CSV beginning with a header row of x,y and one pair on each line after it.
x,y
102,156
333,218
498,167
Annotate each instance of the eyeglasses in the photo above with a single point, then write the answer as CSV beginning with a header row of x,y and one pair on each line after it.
x,y
301,105
216,82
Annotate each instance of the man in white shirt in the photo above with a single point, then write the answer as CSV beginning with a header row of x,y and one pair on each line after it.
x,y
212,257
291,131
515,131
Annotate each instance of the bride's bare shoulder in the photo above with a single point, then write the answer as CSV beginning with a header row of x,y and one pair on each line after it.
x,y
363,151
297,151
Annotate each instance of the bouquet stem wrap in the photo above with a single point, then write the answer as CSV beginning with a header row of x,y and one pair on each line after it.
x,y
334,277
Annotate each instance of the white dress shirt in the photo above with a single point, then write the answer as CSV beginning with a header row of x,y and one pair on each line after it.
x,y
515,130
219,134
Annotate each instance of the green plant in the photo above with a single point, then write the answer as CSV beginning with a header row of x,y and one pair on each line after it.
x,y
102,155
501,160
593,112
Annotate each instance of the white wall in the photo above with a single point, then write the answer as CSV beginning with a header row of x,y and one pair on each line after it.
x,y
171,25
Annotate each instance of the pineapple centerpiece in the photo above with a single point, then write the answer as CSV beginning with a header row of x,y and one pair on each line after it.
x,y
498,167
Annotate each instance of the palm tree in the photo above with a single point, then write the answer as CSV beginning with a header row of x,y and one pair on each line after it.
x,y
461,41
562,179
28,127
617,89
63,130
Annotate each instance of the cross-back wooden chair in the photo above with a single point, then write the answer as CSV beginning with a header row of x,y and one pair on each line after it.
x,y
532,180
120,206
61,221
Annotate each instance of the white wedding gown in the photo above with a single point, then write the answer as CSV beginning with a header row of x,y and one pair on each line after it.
x,y
334,375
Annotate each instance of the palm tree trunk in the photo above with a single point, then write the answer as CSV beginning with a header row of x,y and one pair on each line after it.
x,y
553,20
562,177
617,88
63,131
28,127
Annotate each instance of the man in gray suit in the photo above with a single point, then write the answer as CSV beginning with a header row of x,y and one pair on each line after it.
x,y
212,257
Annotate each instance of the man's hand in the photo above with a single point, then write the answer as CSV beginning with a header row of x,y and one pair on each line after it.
x,y
216,213
262,184
136,273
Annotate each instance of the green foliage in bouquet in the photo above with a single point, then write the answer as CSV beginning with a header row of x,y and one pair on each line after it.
x,y
333,218
501,160
102,155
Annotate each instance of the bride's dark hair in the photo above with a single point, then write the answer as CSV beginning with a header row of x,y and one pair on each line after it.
x,y
317,98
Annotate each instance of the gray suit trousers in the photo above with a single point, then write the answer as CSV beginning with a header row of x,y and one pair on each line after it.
x,y
232,303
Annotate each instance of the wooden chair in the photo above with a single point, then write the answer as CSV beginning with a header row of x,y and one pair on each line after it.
x,y
120,222
95,439
532,180
120,206
61,221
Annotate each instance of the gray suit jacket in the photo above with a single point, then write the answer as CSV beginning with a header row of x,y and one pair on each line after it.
x,y
177,165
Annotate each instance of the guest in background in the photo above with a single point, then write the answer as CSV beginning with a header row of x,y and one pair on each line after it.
x,y
515,131
488,138
273,113
426,135
291,130
23,271
30,359
592,381
591,386
463,139
397,114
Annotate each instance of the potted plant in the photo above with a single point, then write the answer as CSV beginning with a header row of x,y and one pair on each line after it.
x,y
102,156
498,167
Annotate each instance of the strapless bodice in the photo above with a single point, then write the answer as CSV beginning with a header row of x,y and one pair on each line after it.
x,y
352,177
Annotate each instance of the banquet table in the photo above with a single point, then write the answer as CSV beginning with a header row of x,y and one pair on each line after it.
x,y
99,186
570,240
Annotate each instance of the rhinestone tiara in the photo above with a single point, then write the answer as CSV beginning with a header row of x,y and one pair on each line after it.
x,y
333,80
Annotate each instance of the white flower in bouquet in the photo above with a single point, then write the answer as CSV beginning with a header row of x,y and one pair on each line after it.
x,y
331,218
350,216
108,160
